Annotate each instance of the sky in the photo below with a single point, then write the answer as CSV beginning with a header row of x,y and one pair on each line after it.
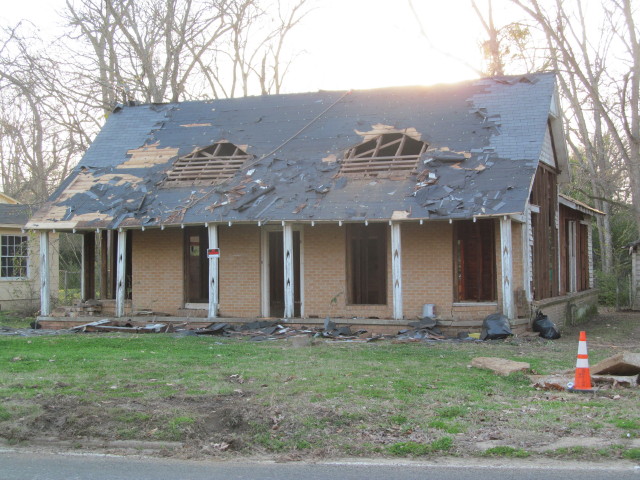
x,y
375,43
355,44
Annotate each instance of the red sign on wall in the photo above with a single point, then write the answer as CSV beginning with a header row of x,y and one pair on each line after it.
x,y
213,253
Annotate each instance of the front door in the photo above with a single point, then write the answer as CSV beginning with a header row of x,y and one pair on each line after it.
x,y
196,265
276,273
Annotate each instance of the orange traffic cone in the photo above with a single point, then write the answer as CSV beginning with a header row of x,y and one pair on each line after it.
x,y
582,381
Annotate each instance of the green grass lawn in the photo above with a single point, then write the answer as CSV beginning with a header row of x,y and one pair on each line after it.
x,y
14,320
327,399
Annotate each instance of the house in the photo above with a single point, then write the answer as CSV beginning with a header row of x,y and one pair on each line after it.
x,y
19,272
368,206
634,300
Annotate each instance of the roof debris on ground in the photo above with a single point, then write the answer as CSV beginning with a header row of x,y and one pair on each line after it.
x,y
424,330
620,370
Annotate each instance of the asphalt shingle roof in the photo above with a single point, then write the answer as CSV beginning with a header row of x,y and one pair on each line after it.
x,y
11,214
497,127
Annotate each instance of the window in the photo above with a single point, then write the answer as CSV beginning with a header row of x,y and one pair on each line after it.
x,y
475,257
207,166
387,155
13,256
367,264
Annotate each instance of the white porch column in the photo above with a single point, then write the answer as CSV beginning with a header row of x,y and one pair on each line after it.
x,y
508,307
590,255
289,300
83,268
45,290
396,268
527,260
213,272
264,273
121,272
572,254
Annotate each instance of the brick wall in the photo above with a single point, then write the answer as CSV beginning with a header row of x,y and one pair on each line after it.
x,y
158,270
470,311
427,268
239,270
426,263
325,277
573,309
427,260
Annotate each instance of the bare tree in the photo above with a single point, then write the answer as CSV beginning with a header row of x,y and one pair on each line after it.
x,y
252,55
171,50
40,133
54,96
146,49
491,46
509,48
603,107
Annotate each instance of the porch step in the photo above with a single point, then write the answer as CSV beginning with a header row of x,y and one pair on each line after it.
x,y
192,313
90,308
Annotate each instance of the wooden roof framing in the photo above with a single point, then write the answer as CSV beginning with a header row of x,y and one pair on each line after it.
x,y
388,153
207,166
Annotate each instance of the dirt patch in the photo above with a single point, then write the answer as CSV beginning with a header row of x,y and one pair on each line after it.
x,y
205,426
196,422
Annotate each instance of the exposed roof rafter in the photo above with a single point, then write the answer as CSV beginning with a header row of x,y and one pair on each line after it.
x,y
207,166
386,155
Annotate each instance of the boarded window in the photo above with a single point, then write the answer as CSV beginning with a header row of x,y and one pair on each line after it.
x,y
388,155
367,264
13,256
208,166
475,257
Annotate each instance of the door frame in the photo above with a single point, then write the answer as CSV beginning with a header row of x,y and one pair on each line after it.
x,y
265,302
187,273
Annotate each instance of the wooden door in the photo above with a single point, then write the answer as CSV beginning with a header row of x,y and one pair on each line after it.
x,y
196,265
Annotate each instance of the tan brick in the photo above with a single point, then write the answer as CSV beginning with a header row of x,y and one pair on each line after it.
x,y
427,261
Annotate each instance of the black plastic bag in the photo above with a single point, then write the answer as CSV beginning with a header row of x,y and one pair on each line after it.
x,y
546,327
495,327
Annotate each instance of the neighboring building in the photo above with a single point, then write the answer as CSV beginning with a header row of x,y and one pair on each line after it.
x,y
19,272
362,205
634,301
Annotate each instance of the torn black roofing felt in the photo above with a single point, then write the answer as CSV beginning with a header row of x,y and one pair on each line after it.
x,y
11,214
484,142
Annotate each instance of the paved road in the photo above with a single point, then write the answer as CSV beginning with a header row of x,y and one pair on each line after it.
x,y
18,465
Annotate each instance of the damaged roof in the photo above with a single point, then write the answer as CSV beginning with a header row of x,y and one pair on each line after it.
x,y
483,143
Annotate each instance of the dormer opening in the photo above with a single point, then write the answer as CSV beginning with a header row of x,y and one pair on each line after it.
x,y
387,155
207,166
